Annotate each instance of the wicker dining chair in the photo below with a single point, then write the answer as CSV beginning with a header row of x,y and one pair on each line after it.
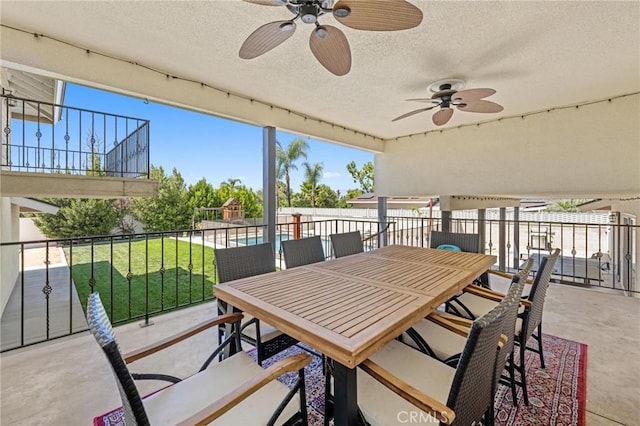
x,y
234,391
475,301
347,243
246,261
302,251
469,243
466,242
446,343
425,386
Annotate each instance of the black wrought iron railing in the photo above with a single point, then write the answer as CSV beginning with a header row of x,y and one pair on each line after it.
x,y
142,275
42,137
593,254
137,275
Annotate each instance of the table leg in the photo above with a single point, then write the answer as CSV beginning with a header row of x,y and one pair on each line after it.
x,y
345,408
227,329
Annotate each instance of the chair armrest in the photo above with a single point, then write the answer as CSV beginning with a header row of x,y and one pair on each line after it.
x,y
179,337
485,292
457,328
464,322
462,325
409,393
507,276
492,295
237,395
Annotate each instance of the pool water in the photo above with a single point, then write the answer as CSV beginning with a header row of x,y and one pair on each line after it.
x,y
253,240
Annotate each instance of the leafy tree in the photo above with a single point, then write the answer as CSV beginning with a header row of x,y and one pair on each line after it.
x,y
326,197
124,222
202,195
312,174
300,199
568,206
351,194
285,162
363,176
169,210
246,197
281,194
78,218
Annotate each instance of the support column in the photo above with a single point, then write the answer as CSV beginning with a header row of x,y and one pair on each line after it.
x,y
516,237
382,221
446,221
269,182
502,241
482,229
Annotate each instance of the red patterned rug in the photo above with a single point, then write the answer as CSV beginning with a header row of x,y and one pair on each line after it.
x,y
557,393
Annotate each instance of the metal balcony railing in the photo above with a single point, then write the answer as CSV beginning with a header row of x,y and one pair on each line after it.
x,y
41,137
138,275
141,275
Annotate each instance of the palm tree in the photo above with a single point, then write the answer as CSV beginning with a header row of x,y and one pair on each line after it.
x,y
312,174
231,182
286,159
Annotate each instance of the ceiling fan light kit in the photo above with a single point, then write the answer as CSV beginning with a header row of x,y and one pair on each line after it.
x,y
328,43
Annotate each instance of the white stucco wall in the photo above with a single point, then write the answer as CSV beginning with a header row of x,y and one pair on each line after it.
x,y
9,229
591,151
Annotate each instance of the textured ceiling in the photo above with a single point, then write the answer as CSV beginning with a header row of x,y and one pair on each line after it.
x,y
537,54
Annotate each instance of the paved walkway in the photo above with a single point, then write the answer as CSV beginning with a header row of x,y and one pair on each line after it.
x,y
65,312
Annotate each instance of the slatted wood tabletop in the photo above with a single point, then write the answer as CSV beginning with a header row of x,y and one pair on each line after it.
x,y
348,308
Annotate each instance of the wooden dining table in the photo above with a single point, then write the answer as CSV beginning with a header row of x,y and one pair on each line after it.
x,y
348,308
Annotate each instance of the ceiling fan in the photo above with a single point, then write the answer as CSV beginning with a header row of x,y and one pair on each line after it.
x,y
328,43
446,95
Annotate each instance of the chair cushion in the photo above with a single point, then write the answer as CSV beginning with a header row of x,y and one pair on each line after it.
x,y
443,342
267,332
380,405
177,402
476,304
449,247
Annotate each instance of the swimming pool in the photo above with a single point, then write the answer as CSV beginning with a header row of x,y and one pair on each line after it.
x,y
259,239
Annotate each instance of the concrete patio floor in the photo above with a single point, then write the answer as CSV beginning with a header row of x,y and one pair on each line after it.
x,y
69,381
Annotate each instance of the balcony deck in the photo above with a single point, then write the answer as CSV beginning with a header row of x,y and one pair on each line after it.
x,y
69,382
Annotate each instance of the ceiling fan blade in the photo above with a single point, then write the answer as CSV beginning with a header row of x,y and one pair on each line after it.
x,y
267,2
441,117
377,15
266,38
409,114
427,100
481,106
331,48
472,94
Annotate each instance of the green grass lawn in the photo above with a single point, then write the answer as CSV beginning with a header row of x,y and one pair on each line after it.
x,y
168,285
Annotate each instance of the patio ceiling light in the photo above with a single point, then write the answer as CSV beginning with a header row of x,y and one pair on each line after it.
x,y
329,44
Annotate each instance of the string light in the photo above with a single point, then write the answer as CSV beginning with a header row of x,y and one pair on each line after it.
x,y
185,79
523,116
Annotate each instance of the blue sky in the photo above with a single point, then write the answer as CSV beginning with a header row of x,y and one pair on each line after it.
x,y
200,145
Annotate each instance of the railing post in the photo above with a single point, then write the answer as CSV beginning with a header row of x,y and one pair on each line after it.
x,y
382,221
516,236
296,225
482,231
502,252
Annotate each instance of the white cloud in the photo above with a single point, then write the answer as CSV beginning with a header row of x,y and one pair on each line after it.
x,y
330,174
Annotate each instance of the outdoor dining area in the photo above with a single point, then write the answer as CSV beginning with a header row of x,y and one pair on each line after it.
x,y
395,334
